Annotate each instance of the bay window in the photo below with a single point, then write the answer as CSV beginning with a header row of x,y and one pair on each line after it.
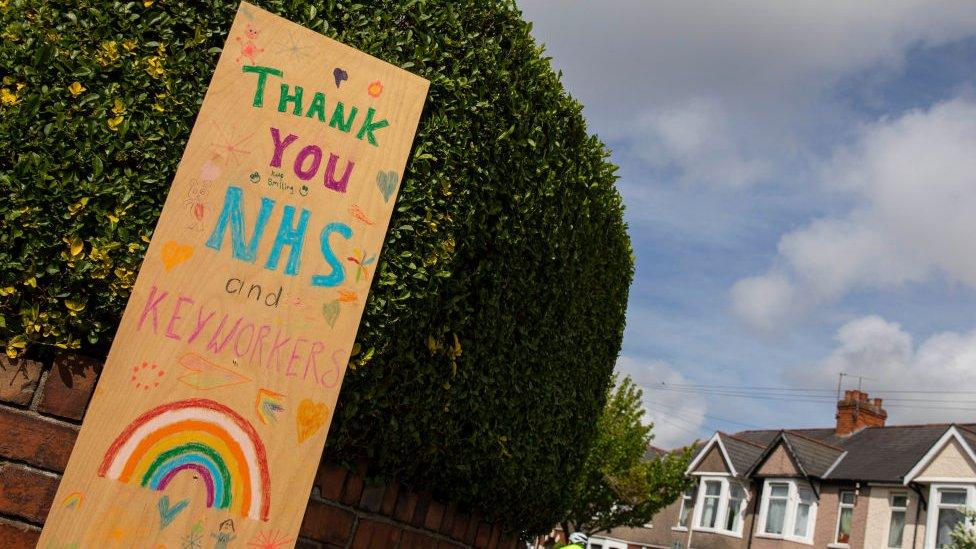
x,y
685,511
788,510
720,507
946,504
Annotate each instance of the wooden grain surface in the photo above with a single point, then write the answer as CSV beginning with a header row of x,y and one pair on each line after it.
x,y
208,422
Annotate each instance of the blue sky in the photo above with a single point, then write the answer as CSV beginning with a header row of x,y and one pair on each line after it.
x,y
800,182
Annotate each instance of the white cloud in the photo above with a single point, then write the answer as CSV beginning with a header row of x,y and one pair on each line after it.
x,y
678,418
885,354
720,92
913,179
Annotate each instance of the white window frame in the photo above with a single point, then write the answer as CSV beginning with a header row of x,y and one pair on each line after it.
x,y
840,509
891,511
687,501
723,507
932,520
789,518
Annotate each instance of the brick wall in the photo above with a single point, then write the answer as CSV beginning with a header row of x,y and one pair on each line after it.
x,y
41,410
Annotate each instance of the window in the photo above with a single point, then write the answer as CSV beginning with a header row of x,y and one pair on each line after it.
x,y
686,505
720,507
845,518
950,504
713,496
733,514
896,526
788,511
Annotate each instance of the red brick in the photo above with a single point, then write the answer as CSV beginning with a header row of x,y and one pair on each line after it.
x,y
405,506
420,512
353,490
472,532
508,541
416,540
484,534
372,497
444,544
41,442
17,535
331,479
375,535
460,526
447,524
327,523
435,515
390,498
25,493
18,379
69,386
496,535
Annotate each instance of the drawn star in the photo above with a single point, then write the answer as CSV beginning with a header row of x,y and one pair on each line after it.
x,y
268,539
193,540
294,49
230,147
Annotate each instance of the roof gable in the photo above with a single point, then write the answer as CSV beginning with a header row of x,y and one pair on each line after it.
x,y
712,458
778,464
950,457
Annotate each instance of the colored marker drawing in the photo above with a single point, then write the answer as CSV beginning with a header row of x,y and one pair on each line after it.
x,y
207,375
201,436
269,404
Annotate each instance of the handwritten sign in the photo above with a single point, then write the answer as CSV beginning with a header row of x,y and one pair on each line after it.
x,y
208,422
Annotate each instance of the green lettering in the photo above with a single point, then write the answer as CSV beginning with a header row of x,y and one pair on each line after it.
x,y
317,107
284,99
369,127
338,118
262,73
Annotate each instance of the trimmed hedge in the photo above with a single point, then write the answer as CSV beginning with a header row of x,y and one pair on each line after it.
x,y
498,311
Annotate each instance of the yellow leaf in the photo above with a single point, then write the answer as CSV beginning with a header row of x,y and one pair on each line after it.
x,y
8,290
74,306
114,123
112,217
118,107
75,245
32,282
76,88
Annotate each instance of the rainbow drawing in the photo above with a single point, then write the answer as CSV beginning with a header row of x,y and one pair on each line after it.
x,y
201,436
73,500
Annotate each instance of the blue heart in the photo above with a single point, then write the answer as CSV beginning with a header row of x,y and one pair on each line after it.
x,y
387,183
167,513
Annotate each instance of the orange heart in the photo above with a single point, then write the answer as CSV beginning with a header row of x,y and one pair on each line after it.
x,y
311,417
175,253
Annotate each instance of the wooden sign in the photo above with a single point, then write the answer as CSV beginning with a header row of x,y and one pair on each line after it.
x,y
209,420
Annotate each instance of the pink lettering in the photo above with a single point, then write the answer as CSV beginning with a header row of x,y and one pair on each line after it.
x,y
151,307
176,316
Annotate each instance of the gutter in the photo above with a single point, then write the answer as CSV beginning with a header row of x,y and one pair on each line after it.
x,y
918,512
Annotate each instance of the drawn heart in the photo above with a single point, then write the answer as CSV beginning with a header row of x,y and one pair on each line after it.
x,y
340,76
311,417
386,182
175,253
167,513
331,312
209,171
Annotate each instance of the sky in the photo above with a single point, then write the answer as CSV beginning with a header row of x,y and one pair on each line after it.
x,y
800,185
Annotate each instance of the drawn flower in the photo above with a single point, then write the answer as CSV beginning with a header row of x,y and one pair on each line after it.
x,y
76,88
375,89
362,262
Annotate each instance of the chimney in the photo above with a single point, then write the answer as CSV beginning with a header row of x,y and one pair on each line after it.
x,y
856,411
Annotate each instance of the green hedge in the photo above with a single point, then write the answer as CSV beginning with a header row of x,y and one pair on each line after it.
x,y
497,315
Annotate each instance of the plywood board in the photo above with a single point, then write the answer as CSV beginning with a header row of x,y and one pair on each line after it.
x,y
209,420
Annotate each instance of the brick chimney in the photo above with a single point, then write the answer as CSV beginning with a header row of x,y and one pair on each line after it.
x,y
856,411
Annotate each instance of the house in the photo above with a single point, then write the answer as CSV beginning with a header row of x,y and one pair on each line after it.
x,y
860,484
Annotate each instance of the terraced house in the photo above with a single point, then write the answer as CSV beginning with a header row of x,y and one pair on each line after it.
x,y
860,484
